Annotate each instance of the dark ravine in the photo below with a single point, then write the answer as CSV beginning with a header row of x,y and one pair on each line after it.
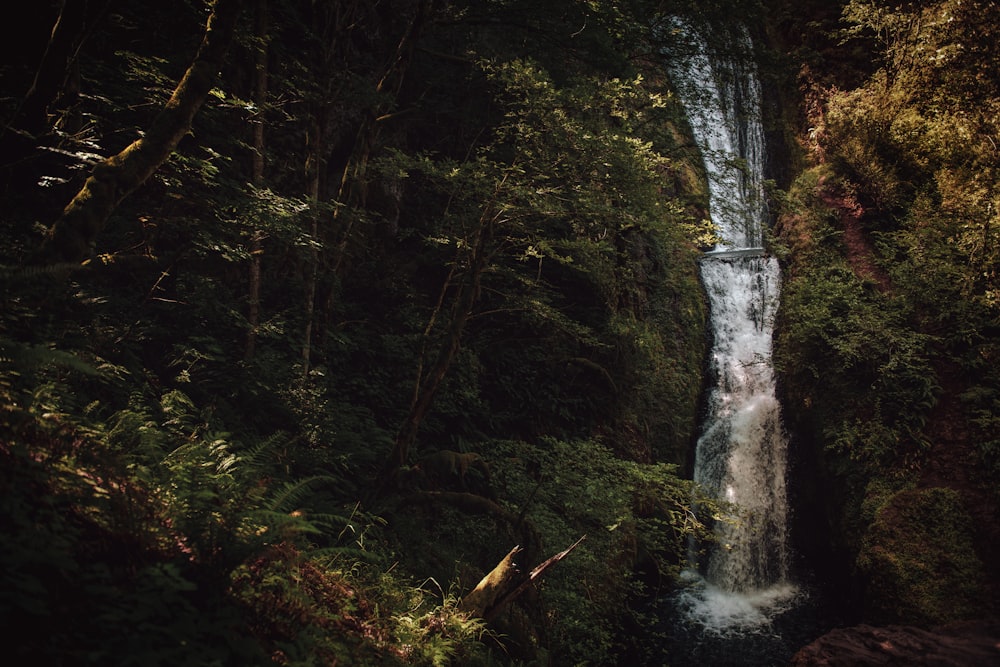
x,y
164,473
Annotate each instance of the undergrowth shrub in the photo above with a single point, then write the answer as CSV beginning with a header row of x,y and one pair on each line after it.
x,y
632,514
919,562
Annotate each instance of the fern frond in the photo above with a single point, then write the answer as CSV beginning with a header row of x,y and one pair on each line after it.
x,y
284,525
33,272
254,460
330,523
290,495
30,357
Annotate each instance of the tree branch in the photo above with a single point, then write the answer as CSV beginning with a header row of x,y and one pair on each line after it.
x,y
73,236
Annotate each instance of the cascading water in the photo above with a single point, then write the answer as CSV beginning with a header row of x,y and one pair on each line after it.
x,y
742,583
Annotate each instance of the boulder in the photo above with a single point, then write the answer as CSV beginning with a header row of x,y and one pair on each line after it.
x,y
962,644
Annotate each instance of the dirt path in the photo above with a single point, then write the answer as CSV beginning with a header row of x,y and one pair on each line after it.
x,y
860,254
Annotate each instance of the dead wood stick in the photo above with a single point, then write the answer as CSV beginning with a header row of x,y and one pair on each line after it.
x,y
497,589
483,597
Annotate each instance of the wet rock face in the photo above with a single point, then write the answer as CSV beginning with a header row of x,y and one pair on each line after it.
x,y
966,644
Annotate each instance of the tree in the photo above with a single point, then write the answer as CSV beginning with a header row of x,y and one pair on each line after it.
x,y
474,253
72,26
257,171
352,189
73,236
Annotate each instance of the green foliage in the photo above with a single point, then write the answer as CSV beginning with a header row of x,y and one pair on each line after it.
x,y
914,145
851,356
170,498
632,514
584,232
887,332
87,561
920,559
439,635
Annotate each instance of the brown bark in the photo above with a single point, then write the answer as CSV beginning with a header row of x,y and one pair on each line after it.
x,y
352,181
333,23
353,190
428,384
481,242
257,173
314,169
501,579
535,573
53,68
260,89
73,236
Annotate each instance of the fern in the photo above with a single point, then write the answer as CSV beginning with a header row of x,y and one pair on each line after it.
x,y
291,494
441,635
22,358
254,459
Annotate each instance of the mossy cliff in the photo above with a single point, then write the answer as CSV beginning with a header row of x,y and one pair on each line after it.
x,y
887,337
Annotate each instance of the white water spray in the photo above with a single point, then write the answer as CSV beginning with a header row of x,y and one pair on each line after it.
x,y
741,454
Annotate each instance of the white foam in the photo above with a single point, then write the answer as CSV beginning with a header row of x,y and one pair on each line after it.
x,y
725,612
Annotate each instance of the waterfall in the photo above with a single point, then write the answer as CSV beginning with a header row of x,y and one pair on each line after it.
x,y
741,453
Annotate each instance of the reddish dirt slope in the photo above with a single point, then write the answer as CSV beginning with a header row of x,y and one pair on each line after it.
x,y
860,254
975,644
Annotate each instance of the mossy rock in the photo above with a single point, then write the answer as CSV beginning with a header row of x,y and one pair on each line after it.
x,y
919,562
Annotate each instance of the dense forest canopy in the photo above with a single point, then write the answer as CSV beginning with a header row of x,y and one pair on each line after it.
x,y
310,312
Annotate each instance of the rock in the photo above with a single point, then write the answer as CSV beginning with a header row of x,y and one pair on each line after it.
x,y
964,644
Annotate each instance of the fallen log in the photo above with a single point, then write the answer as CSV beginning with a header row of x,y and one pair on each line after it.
x,y
504,583
483,597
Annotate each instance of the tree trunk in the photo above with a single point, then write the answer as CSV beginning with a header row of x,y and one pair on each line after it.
x,y
73,236
352,180
505,582
32,117
257,174
428,385
315,149
56,81
503,578
353,190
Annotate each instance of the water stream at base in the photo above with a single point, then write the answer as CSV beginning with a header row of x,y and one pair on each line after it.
x,y
740,586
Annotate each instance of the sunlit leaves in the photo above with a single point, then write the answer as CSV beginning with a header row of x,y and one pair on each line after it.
x,y
579,146
919,141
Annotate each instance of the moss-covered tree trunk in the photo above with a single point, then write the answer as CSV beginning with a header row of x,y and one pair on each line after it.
x,y
73,236
505,582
